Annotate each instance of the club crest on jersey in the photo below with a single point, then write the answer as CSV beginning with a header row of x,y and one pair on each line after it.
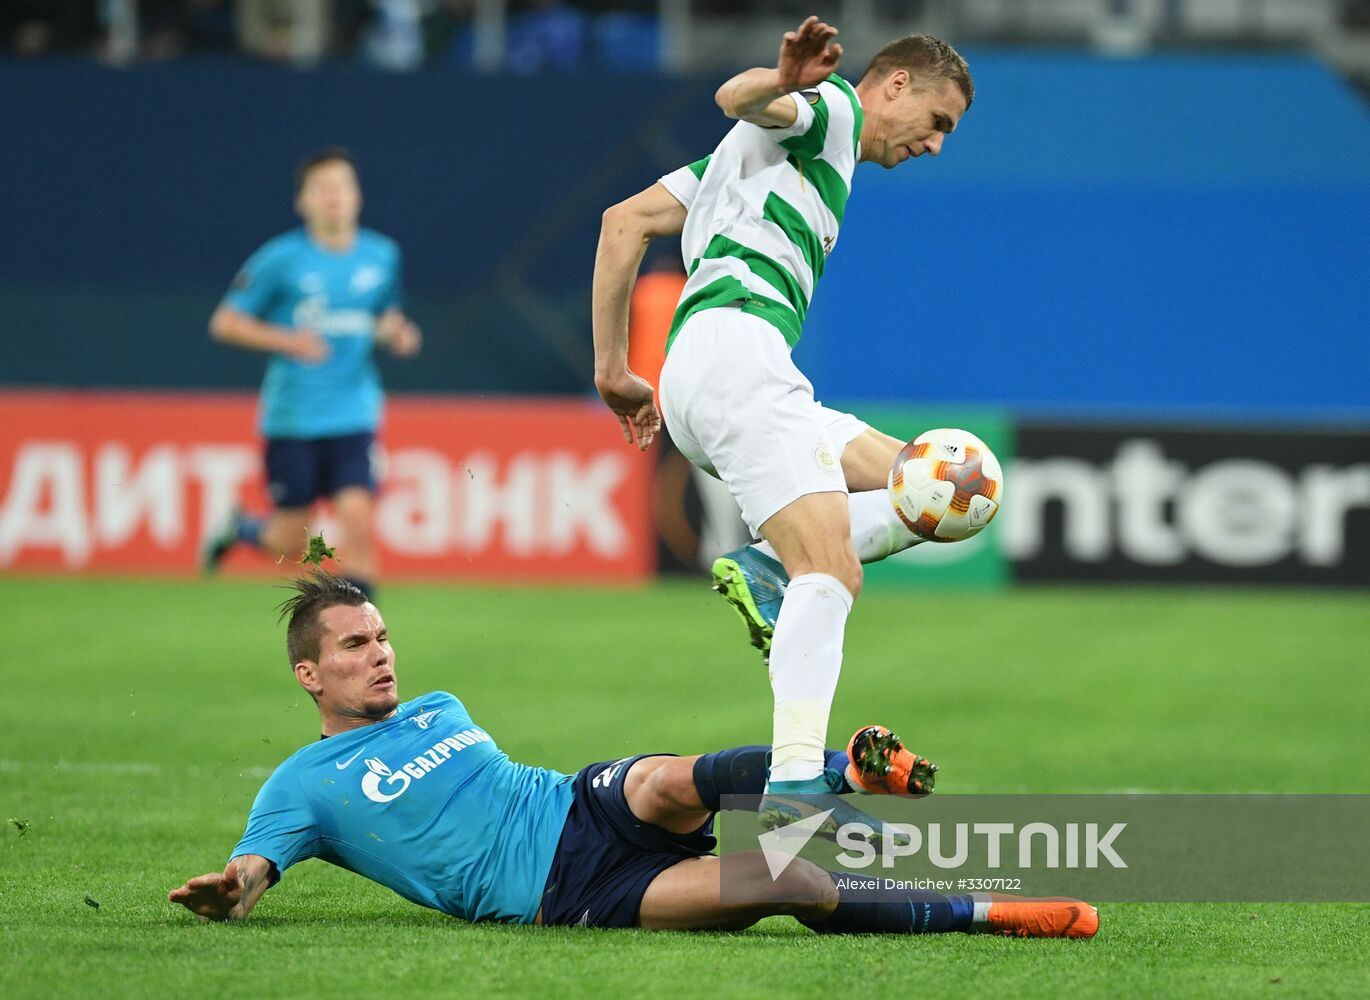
x,y
422,720
826,461
381,784
366,278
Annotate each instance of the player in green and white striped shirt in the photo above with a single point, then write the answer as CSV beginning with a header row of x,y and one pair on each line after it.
x,y
758,218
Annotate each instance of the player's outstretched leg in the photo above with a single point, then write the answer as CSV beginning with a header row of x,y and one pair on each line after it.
x,y
864,908
690,896
679,794
754,582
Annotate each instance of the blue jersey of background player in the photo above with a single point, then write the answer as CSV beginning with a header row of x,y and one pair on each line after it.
x,y
318,299
418,797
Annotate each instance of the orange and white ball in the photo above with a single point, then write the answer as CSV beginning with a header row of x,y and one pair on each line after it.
x,y
946,485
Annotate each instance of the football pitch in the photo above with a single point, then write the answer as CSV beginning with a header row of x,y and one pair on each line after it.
x,y
141,717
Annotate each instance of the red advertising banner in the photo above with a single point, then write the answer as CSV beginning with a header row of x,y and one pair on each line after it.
x,y
134,483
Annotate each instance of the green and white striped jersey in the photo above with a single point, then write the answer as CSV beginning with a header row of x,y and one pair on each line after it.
x,y
764,210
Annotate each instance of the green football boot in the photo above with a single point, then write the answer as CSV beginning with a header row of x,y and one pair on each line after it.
x,y
754,584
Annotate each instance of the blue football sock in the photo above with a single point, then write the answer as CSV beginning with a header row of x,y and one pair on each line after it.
x,y
743,771
739,771
903,911
249,529
837,761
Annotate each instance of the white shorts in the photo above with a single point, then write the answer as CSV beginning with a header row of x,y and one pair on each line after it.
x,y
737,407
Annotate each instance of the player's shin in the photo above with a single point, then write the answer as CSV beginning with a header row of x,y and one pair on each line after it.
x,y
806,659
248,529
907,911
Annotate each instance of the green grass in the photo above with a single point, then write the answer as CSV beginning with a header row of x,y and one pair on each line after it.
x,y
140,718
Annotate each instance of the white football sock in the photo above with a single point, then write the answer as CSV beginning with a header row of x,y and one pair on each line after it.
x,y
876,530
806,659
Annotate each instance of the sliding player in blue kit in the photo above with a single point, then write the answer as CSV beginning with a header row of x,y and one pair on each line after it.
x,y
317,299
417,796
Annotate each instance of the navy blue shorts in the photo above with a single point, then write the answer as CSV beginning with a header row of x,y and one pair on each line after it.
x,y
607,857
302,470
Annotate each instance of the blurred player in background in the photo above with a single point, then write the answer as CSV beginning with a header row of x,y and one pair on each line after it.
x,y
694,514
758,218
652,308
318,299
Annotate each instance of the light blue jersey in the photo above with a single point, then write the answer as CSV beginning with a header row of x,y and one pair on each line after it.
x,y
293,282
423,803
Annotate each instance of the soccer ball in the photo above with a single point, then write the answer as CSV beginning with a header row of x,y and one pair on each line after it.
x,y
946,485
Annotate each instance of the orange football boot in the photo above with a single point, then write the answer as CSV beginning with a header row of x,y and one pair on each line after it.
x,y
881,765
1013,916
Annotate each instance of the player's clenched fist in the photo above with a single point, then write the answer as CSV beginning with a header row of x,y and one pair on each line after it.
x,y
806,57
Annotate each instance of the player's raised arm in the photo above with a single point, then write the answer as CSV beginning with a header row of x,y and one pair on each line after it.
x,y
761,96
227,895
626,230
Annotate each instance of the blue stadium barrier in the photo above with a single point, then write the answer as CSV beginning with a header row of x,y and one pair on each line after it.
x,y
1167,234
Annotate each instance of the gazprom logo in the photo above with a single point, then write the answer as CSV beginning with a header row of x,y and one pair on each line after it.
x,y
371,781
381,784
